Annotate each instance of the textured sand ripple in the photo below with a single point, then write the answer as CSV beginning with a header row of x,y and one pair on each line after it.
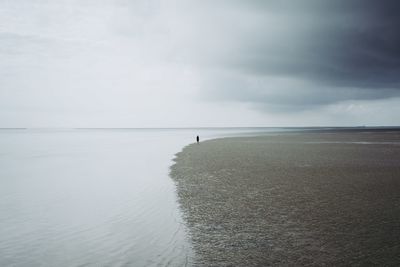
x,y
293,199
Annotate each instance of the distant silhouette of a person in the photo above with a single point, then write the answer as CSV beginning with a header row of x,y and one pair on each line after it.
x,y
197,139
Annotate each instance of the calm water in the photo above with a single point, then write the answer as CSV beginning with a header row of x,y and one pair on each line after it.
x,y
93,197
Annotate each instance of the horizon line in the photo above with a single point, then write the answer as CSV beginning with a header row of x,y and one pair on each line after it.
x,y
199,127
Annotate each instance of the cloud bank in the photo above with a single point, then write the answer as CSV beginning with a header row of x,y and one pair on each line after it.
x,y
297,55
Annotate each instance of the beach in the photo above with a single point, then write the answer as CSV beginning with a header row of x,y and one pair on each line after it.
x,y
317,198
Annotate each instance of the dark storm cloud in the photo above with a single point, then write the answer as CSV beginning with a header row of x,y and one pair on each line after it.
x,y
330,51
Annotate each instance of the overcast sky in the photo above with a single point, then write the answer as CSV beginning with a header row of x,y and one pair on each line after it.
x,y
125,63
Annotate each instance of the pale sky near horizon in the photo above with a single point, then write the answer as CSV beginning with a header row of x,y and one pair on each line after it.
x,y
176,63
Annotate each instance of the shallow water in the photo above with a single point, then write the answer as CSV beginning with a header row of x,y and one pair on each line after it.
x,y
93,197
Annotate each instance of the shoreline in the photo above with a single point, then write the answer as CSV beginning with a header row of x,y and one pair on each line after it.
x,y
304,198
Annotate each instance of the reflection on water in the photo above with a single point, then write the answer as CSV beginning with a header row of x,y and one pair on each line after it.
x,y
92,197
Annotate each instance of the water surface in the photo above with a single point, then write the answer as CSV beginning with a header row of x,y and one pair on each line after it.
x,y
93,197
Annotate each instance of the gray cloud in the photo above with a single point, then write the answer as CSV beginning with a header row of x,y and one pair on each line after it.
x,y
322,52
123,63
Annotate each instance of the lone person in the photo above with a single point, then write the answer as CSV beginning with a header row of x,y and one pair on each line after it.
x,y
197,139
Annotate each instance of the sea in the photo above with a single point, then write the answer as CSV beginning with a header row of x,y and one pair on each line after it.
x,y
95,197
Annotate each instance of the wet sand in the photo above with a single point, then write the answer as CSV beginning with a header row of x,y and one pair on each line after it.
x,y
293,199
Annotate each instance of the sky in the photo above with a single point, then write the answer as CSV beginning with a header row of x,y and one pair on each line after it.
x,y
182,63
